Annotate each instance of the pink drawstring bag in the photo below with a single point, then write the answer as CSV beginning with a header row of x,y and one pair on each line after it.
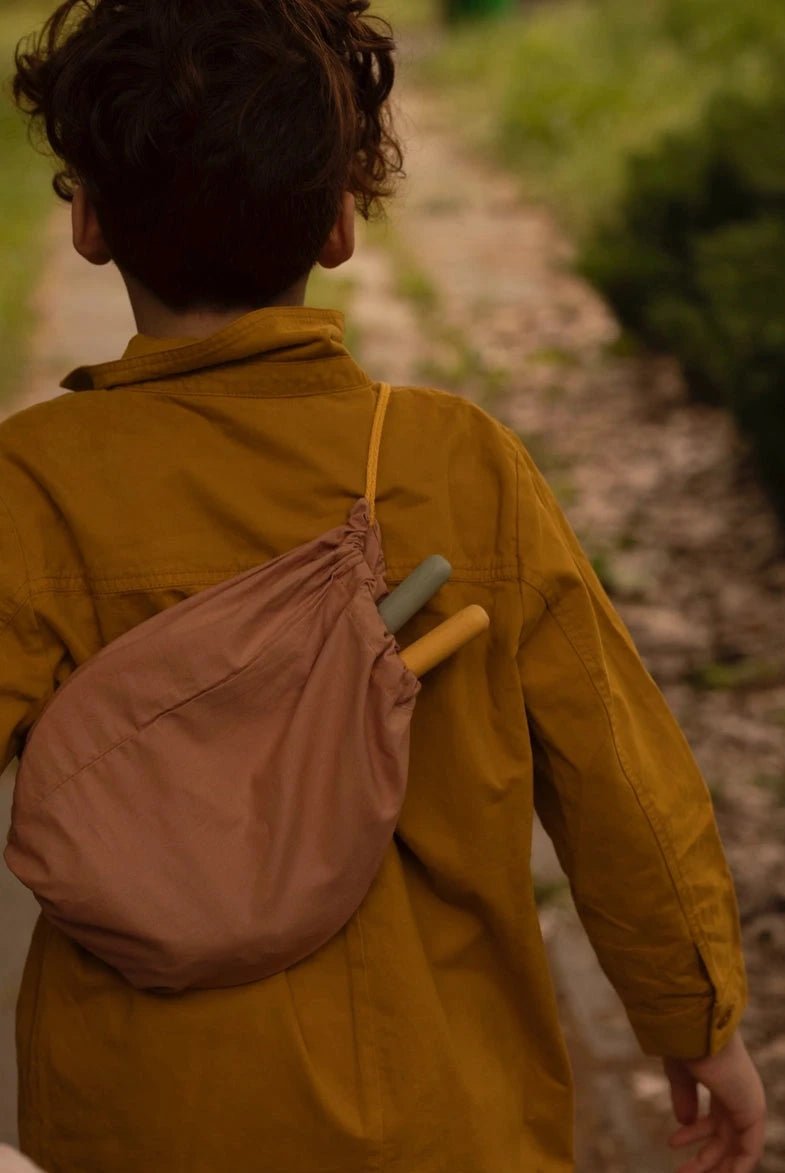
x,y
207,800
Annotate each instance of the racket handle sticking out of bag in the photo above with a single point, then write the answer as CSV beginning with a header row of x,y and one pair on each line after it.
x,y
412,594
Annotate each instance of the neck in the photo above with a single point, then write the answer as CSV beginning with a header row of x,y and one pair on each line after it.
x,y
156,321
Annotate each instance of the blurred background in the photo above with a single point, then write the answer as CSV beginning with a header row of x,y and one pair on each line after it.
x,y
590,243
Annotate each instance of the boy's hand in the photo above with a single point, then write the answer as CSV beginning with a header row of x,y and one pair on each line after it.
x,y
13,1162
736,1123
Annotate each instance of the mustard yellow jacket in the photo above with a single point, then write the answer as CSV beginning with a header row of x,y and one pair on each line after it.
x,y
424,1037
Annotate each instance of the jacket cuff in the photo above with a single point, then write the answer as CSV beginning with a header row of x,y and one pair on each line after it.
x,y
693,1032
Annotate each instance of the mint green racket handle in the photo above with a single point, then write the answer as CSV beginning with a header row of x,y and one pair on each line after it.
x,y
414,592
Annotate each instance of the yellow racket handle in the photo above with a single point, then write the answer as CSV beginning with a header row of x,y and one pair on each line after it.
x,y
445,639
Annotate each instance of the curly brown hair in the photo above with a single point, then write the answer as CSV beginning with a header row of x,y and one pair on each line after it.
x,y
215,138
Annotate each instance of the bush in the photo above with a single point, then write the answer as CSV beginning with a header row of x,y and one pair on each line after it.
x,y
564,92
663,115
694,261
725,29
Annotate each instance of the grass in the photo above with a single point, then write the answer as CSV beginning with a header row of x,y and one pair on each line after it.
x,y
774,783
407,15
465,371
745,673
555,356
25,198
416,287
718,789
459,367
328,289
549,892
565,93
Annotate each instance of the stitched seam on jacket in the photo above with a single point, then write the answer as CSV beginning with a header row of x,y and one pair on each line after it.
x,y
183,387
527,574
373,1034
680,883
142,361
518,540
638,786
26,585
72,584
6,623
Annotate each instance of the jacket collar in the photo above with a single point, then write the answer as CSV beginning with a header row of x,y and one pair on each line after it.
x,y
294,350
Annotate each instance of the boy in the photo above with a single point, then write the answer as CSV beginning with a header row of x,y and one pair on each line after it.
x,y
216,151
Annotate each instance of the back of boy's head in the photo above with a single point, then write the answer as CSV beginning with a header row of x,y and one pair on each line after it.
x,y
215,138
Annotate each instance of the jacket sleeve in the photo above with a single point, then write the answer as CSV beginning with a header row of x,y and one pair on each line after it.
x,y
25,670
620,794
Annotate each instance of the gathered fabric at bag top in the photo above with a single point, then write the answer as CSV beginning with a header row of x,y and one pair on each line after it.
x,y
207,800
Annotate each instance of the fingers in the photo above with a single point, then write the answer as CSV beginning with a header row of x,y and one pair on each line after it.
x,y
684,1091
743,1165
710,1159
691,1133
727,1150
12,1161
734,1129
714,1156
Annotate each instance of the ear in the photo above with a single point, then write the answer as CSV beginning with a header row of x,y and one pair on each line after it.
x,y
339,247
88,238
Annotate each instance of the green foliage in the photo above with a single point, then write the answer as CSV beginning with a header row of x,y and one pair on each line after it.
x,y
747,673
25,197
417,287
458,10
725,29
775,783
330,289
656,130
693,260
550,892
602,567
408,14
565,92
556,356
